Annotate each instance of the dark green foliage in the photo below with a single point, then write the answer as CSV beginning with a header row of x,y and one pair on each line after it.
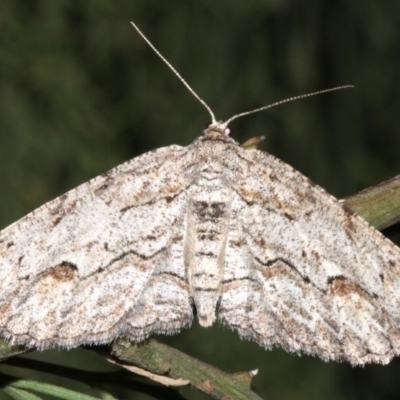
x,y
80,92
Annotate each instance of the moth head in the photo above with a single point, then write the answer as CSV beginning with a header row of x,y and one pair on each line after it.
x,y
217,128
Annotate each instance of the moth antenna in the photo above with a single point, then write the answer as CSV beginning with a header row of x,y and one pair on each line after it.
x,y
176,73
302,96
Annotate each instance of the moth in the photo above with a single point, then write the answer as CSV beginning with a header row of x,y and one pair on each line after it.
x,y
213,230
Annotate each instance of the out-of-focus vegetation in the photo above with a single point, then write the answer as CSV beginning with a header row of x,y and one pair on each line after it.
x,y
80,92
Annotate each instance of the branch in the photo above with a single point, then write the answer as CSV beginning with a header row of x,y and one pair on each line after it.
x,y
162,360
379,205
7,351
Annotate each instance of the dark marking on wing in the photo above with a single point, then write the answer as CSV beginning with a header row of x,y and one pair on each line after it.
x,y
169,273
288,216
64,272
341,286
168,198
240,243
245,278
102,188
61,210
269,273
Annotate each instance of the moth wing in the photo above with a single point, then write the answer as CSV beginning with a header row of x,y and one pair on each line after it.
x,y
305,273
75,270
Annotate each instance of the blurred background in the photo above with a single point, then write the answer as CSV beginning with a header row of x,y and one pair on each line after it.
x,y
81,92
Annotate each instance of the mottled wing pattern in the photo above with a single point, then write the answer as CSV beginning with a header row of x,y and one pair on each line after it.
x,y
305,273
77,270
